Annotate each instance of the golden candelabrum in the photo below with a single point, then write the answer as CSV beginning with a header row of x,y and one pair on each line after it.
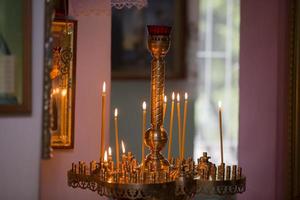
x,y
156,177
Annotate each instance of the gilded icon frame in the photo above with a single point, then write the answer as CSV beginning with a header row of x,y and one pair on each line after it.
x,y
63,81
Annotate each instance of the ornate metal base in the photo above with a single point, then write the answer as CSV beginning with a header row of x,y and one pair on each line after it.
x,y
181,189
182,180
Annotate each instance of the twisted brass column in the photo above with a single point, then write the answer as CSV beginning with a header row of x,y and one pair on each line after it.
x,y
156,137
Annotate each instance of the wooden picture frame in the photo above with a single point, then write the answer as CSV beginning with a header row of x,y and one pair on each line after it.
x,y
293,172
63,80
15,60
129,55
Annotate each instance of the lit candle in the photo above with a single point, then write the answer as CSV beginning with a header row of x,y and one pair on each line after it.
x,y
105,160
110,160
123,151
179,124
103,118
117,139
184,123
105,156
143,132
124,159
164,107
171,127
109,154
221,129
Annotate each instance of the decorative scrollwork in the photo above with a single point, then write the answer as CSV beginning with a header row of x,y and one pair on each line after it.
x,y
119,4
93,186
184,188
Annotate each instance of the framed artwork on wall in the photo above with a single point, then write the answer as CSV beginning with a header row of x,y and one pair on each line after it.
x,y
62,76
15,57
129,57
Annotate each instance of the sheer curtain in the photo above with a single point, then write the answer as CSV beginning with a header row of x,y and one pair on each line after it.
x,y
218,78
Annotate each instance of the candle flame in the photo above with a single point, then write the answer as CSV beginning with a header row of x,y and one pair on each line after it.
x,y
144,105
104,87
173,96
109,151
165,99
178,97
64,92
116,112
105,156
186,96
123,146
56,90
220,104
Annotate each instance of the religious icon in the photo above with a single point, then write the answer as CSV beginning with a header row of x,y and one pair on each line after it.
x,y
62,75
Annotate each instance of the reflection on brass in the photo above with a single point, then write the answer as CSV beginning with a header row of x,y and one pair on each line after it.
x,y
213,172
228,168
62,75
155,178
233,172
204,166
221,171
156,136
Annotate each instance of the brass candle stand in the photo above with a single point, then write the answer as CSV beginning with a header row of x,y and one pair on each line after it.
x,y
156,177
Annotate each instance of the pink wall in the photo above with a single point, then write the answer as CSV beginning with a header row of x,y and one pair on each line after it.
x,y
263,97
20,136
93,67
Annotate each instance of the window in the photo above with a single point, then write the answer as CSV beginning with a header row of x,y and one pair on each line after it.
x,y
218,78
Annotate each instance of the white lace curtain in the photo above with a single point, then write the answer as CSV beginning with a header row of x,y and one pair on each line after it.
x,y
119,4
93,7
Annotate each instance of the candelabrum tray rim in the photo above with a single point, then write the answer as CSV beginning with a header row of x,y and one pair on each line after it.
x,y
182,186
